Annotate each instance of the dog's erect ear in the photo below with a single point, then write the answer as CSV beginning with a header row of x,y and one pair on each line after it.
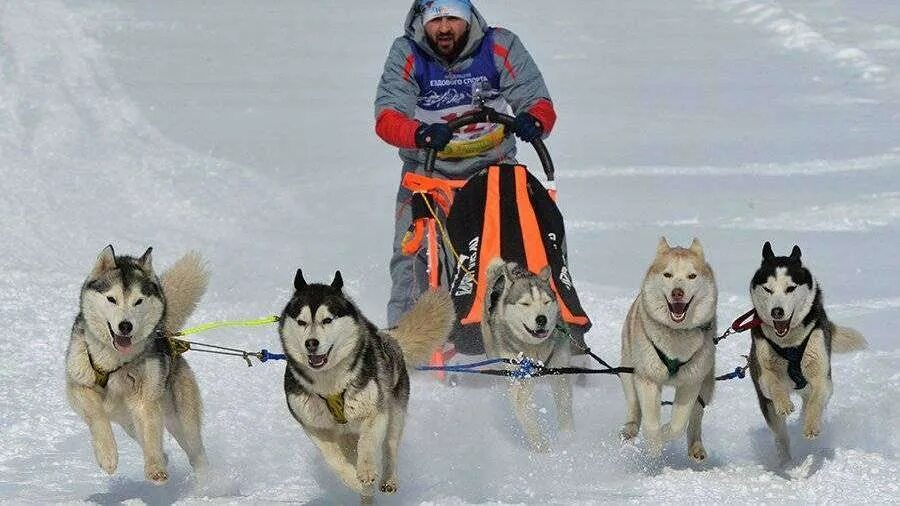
x,y
767,252
146,259
106,261
545,273
663,246
697,248
795,253
299,282
338,282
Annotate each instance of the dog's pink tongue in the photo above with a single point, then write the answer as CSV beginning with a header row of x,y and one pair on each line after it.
x,y
122,343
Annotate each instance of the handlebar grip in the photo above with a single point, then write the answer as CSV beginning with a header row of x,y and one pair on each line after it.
x,y
489,115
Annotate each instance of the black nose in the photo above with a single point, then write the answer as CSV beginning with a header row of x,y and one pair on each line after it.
x,y
125,327
777,313
677,293
311,344
541,320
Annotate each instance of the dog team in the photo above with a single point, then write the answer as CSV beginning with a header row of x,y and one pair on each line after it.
x,y
346,380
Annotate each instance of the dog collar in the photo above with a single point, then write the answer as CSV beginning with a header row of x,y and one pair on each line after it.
x,y
335,405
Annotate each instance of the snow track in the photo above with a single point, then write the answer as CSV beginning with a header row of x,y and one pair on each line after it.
x,y
106,116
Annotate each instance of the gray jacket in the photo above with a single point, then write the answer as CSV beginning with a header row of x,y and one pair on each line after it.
x,y
521,88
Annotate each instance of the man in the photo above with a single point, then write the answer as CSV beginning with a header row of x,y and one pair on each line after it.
x,y
428,76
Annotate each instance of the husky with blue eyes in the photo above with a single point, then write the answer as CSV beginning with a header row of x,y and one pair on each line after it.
x,y
346,381
118,371
792,347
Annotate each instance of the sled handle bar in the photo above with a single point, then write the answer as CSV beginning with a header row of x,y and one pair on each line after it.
x,y
490,115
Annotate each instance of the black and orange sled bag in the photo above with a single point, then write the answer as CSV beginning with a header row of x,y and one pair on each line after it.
x,y
505,211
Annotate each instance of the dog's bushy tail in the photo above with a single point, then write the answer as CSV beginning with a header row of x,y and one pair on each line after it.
x,y
183,284
425,327
845,339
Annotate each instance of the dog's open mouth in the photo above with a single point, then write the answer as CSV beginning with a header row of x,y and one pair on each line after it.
x,y
678,310
781,326
121,343
318,361
540,333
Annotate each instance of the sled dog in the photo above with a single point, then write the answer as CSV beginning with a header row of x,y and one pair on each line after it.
x,y
346,382
118,371
792,347
668,339
521,315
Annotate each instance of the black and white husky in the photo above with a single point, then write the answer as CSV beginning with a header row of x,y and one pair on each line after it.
x,y
520,315
346,382
792,347
116,369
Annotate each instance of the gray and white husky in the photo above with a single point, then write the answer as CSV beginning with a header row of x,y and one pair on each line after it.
x,y
116,369
668,339
521,316
346,382
792,347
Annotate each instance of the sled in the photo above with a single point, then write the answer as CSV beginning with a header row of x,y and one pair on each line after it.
x,y
503,210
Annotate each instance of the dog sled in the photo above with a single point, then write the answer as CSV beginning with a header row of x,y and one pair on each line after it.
x,y
503,210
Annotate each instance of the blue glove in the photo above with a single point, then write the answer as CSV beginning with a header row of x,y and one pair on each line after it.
x,y
527,127
435,136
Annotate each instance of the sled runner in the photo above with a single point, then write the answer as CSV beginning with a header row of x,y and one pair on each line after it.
x,y
504,211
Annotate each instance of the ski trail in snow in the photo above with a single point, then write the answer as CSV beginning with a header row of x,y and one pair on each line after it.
x,y
794,31
859,215
807,168
862,214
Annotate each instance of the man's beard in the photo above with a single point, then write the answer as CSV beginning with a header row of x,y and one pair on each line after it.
x,y
454,50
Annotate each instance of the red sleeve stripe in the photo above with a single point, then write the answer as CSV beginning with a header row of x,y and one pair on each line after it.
x,y
502,52
408,68
396,128
544,112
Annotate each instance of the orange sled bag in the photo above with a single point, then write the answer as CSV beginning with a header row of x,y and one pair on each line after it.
x,y
505,211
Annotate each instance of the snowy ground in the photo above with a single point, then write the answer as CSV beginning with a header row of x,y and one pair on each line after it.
x,y
245,130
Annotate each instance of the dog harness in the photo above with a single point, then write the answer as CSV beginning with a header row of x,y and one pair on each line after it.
x,y
167,346
101,377
793,355
335,404
672,364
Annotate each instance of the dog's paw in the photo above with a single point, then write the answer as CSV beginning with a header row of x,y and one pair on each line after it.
x,y
390,486
629,431
812,429
697,452
107,457
156,475
784,406
366,477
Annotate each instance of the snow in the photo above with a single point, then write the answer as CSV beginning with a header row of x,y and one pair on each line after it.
x,y
245,131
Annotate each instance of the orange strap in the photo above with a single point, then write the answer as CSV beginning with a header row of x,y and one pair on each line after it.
x,y
535,255
490,243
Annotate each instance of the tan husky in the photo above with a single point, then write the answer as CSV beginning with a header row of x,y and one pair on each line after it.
x,y
668,339
116,369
